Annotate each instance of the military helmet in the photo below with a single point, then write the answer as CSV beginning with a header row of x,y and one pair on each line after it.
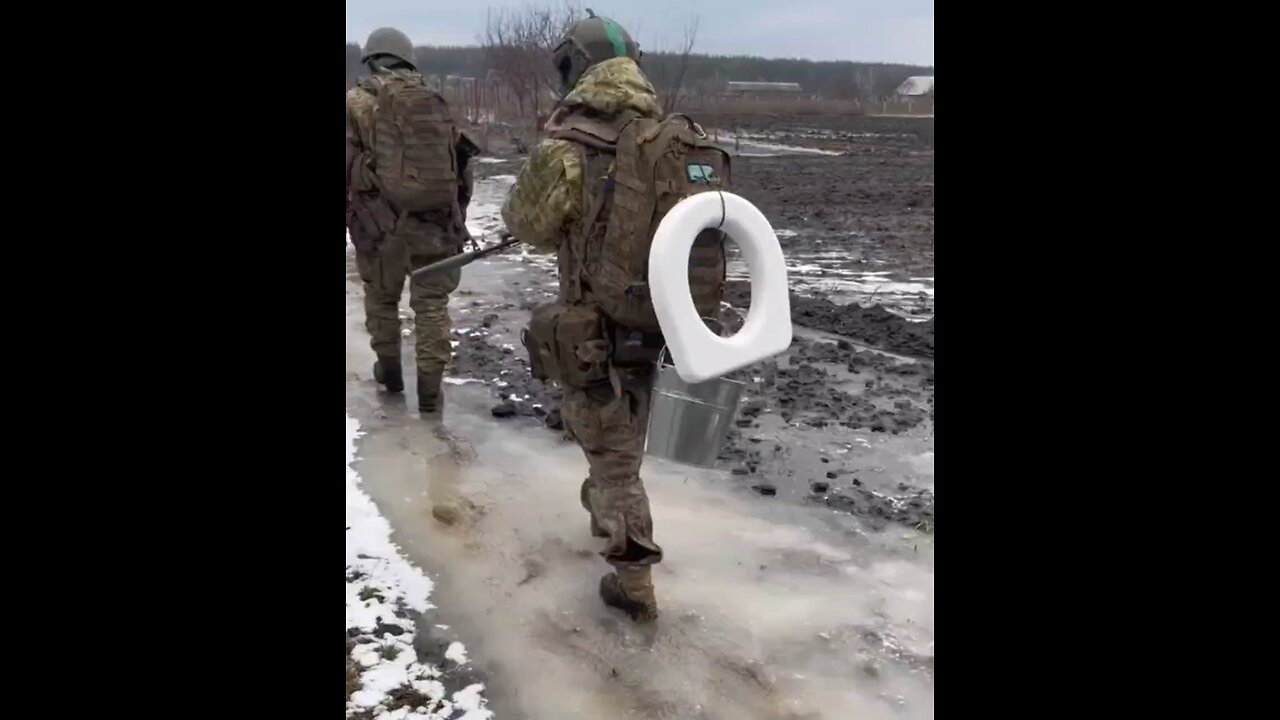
x,y
389,41
589,42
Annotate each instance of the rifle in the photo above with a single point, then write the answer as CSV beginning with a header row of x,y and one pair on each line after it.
x,y
458,261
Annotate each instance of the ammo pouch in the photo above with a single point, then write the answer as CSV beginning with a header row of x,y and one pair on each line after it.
x,y
567,344
372,220
370,211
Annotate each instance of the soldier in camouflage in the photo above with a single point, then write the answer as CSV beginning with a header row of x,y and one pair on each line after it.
x,y
597,63
389,245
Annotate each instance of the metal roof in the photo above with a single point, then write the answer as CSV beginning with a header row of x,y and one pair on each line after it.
x,y
917,85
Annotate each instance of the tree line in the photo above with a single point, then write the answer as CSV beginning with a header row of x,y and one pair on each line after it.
x,y
699,73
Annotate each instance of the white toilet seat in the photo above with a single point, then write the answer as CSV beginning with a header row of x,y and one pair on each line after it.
x,y
698,353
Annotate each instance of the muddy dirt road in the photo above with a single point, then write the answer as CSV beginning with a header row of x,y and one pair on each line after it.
x,y
818,525
830,616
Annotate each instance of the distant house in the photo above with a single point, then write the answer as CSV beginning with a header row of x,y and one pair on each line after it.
x,y
915,86
763,90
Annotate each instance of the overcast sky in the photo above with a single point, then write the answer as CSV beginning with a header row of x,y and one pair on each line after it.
x,y
865,30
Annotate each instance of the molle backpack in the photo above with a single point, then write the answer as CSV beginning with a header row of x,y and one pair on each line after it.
x,y
413,155
655,164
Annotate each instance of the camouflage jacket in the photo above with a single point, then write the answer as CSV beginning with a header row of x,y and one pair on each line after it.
x,y
360,106
546,200
359,129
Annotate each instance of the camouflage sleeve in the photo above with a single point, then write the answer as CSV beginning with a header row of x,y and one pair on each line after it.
x,y
352,145
545,201
466,185
467,150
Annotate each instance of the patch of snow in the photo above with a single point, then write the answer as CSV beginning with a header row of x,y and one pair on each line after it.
x,y
386,581
456,653
371,552
540,259
471,703
492,160
749,147
484,213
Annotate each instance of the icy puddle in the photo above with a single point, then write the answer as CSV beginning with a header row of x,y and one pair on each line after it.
x,y
484,220
382,590
828,273
770,611
751,145
484,217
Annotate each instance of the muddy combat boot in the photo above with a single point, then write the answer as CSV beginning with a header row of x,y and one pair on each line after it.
x,y
429,398
388,373
631,591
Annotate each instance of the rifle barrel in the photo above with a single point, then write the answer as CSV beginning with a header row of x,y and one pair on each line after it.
x,y
457,261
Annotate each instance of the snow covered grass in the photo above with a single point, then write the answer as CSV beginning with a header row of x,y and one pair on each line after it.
x,y
755,146
384,594
484,214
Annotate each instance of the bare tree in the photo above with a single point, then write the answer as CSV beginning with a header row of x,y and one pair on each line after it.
x,y
672,93
518,45
505,54
548,26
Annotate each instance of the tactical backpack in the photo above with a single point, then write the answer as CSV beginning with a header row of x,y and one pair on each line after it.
x,y
655,164
634,171
413,155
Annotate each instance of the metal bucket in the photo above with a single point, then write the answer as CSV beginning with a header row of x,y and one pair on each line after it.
x,y
688,422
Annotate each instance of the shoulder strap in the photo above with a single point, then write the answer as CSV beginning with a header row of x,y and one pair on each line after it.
x,y
579,125
597,193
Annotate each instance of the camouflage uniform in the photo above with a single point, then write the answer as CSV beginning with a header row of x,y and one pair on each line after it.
x,y
385,258
544,209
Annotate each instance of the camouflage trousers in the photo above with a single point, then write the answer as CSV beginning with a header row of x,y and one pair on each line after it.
x,y
611,432
383,268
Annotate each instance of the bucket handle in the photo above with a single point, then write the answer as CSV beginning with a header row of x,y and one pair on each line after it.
x,y
664,351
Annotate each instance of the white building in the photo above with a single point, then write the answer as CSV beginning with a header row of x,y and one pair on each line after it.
x,y
915,86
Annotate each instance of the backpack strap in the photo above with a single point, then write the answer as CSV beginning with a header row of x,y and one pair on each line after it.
x,y
584,127
597,194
